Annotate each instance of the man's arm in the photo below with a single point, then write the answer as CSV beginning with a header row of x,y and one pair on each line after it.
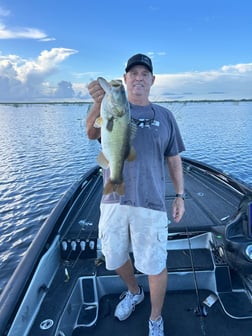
x,y
93,132
97,94
176,173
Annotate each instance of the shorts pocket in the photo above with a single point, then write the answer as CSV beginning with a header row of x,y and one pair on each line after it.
x,y
162,236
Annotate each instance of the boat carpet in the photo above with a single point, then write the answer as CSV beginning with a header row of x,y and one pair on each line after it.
x,y
178,260
242,307
179,318
181,260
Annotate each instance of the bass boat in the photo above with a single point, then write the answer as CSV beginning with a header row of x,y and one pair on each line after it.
x,y
62,288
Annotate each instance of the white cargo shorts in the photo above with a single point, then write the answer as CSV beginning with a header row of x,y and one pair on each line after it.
x,y
123,228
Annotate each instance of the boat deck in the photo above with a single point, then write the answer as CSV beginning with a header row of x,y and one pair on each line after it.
x,y
83,294
179,318
181,307
208,203
72,293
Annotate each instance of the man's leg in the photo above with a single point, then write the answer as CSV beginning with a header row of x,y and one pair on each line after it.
x,y
158,286
126,272
130,298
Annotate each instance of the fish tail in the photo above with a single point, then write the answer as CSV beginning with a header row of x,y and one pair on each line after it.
x,y
111,187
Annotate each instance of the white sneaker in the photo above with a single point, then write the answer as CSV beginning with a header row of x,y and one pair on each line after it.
x,y
127,305
156,328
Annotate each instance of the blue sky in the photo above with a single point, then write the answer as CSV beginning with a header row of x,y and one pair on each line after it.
x,y
201,49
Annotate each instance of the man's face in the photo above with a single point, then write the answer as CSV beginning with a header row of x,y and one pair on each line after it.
x,y
139,81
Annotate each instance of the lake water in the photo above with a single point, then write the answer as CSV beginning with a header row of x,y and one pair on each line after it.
x,y
44,149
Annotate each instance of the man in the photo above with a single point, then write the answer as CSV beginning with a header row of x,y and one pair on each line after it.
x,y
139,217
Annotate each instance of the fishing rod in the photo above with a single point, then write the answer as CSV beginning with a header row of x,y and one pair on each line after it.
x,y
200,309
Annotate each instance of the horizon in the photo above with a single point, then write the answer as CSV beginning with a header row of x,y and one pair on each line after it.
x,y
84,102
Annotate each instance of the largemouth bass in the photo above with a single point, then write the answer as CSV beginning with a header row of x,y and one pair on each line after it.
x,y
116,134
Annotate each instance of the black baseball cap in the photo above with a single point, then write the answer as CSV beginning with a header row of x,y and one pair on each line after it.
x,y
139,59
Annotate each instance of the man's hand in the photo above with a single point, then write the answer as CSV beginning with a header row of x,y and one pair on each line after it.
x,y
178,209
96,91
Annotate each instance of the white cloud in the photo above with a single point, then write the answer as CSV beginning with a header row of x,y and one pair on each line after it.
x,y
44,65
152,54
81,91
240,68
48,39
20,32
229,82
22,79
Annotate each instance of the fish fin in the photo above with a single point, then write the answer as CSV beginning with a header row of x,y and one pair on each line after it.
x,y
98,122
132,154
110,124
102,161
111,187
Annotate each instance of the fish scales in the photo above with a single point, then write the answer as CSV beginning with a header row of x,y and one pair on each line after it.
x,y
115,123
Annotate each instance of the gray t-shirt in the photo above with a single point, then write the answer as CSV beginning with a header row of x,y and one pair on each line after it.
x,y
157,137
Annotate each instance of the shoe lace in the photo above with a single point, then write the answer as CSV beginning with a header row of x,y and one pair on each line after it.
x,y
156,328
127,300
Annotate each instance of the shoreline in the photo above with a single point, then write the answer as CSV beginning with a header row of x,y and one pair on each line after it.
x,y
21,103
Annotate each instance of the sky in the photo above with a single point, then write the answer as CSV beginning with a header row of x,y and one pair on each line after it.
x,y
50,50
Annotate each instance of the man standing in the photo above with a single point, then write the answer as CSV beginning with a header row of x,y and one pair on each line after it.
x,y
139,217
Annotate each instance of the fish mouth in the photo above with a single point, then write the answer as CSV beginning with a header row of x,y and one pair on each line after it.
x,y
116,83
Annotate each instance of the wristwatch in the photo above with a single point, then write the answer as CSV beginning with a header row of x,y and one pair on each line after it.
x,y
180,196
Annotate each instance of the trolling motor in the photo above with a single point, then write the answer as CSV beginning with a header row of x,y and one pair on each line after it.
x,y
238,238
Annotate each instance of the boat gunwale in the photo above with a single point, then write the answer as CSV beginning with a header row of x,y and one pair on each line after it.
x,y
15,289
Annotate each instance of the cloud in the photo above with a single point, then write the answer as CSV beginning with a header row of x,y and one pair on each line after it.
x,y
228,82
7,33
48,39
45,65
28,80
21,33
22,79
64,90
153,54
239,68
